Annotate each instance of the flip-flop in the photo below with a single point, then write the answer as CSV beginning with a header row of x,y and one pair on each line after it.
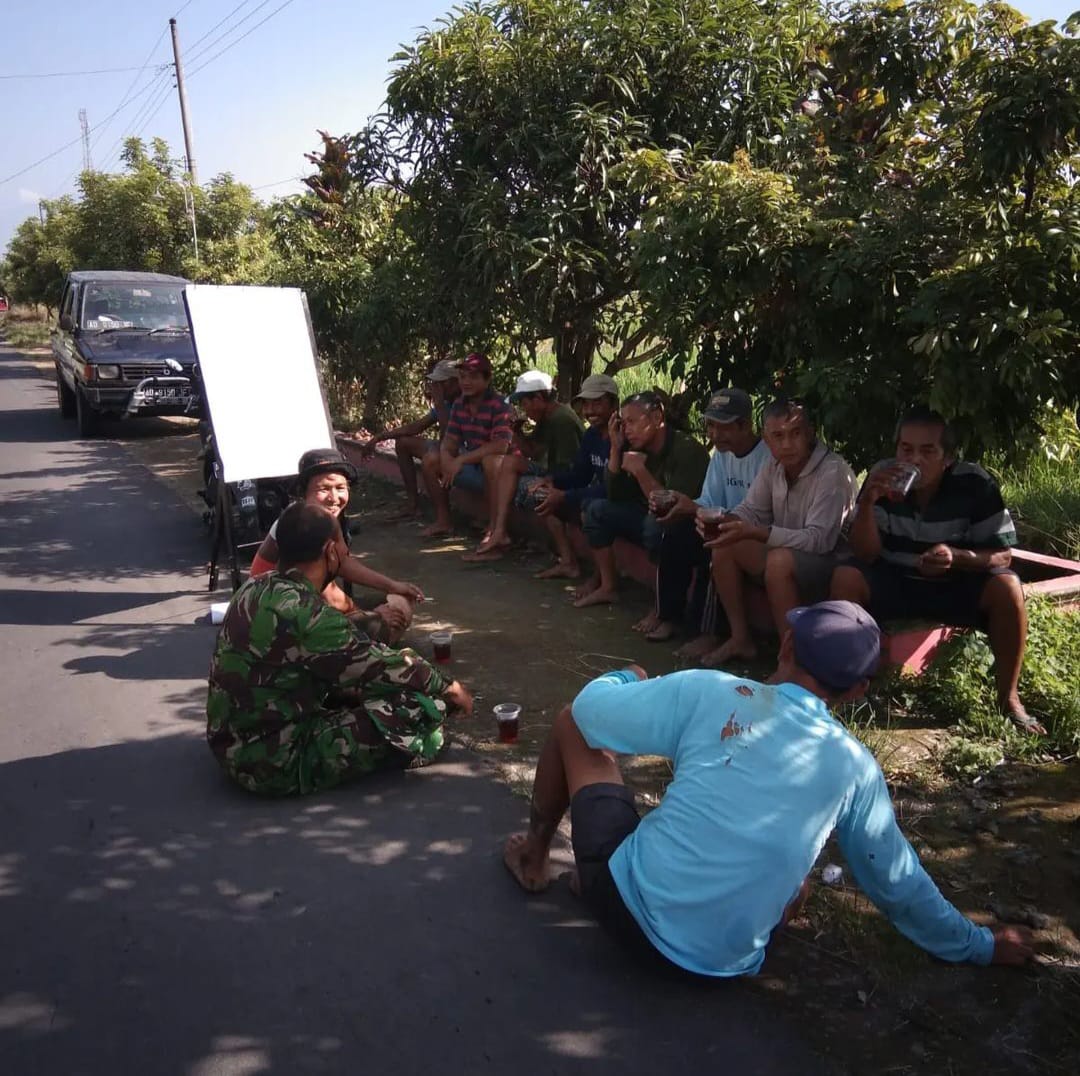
x,y
1026,723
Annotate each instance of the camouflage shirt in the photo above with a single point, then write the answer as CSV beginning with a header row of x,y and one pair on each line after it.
x,y
288,670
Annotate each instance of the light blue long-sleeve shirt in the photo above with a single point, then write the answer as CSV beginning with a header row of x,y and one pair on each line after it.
x,y
763,775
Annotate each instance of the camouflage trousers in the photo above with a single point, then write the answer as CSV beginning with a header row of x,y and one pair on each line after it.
x,y
356,734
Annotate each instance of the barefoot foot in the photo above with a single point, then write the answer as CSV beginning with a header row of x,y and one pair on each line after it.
x,y
437,530
590,584
732,650
697,648
526,863
560,570
663,631
599,596
647,623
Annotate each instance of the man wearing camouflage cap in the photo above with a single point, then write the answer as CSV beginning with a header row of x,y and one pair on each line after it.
x,y
299,699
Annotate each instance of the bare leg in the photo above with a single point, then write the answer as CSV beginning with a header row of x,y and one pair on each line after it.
x,y
730,565
1003,604
850,585
607,589
502,482
781,586
440,498
567,764
408,450
566,566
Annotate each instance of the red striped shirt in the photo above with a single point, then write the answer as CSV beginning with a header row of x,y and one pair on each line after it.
x,y
489,419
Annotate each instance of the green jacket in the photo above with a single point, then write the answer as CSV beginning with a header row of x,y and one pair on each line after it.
x,y
680,465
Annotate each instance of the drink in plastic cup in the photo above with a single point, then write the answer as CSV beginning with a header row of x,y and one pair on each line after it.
x,y
661,501
440,642
218,611
711,518
904,478
506,715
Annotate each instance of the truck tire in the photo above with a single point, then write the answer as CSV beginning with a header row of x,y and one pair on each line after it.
x,y
65,398
86,418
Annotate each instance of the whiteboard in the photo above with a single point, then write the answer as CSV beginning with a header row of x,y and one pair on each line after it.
x,y
256,353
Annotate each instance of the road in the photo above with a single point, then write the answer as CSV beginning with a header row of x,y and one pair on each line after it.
x,y
155,921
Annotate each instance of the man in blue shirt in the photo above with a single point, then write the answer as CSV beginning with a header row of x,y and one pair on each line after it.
x,y
563,495
763,775
738,454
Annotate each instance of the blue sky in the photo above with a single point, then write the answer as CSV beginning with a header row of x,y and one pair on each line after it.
x,y
255,109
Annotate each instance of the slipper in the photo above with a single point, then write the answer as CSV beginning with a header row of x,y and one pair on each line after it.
x,y
1026,723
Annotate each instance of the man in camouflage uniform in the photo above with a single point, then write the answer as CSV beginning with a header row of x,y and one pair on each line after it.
x,y
299,699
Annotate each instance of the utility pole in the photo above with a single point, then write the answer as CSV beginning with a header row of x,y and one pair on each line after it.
x,y
84,123
183,103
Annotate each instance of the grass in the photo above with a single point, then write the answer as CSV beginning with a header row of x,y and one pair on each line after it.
x,y
1045,496
24,327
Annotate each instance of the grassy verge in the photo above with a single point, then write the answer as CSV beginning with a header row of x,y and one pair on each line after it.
x,y
1045,495
23,327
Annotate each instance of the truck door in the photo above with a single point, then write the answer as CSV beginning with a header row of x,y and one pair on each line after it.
x,y
64,339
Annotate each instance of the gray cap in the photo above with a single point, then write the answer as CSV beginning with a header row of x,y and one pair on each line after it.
x,y
597,385
444,370
729,405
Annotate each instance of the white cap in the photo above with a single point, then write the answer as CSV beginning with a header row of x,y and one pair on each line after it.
x,y
532,381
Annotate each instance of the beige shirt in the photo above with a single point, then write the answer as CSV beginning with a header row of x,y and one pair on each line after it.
x,y
813,512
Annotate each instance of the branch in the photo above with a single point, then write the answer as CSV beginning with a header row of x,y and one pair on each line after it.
x,y
618,364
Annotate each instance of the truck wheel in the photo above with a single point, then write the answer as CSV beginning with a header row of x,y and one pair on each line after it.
x,y
65,398
86,418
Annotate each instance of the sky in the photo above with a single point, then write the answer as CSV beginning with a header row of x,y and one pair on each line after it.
x,y
255,109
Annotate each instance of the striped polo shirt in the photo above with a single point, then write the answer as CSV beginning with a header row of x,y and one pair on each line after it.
x,y
490,420
966,512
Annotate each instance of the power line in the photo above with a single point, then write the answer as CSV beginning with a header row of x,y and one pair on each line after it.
x,y
161,82
199,40
68,145
278,183
69,74
237,41
199,53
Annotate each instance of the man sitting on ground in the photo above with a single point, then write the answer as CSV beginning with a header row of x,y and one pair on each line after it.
x,y
551,446
646,455
409,443
785,532
323,479
942,552
564,494
762,776
300,700
478,434
738,455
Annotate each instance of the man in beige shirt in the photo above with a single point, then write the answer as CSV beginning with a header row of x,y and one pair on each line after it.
x,y
785,533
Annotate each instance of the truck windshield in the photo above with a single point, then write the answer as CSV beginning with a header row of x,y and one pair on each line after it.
x,y
133,306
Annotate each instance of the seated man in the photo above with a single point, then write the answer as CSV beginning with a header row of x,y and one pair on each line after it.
x,y
323,479
646,455
785,532
942,552
762,776
564,494
409,443
478,434
738,455
551,446
300,700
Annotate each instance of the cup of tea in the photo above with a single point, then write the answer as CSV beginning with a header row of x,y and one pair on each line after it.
x,y
506,717
440,643
711,519
903,478
661,501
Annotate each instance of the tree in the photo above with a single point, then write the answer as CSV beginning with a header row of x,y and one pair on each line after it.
x,y
39,255
503,128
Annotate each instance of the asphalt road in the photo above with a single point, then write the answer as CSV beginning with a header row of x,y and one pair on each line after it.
x,y
155,921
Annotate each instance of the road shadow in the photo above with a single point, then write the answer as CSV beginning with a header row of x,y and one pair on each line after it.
x,y
372,929
41,607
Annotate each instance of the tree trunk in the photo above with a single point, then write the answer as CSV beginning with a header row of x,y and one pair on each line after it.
x,y
574,350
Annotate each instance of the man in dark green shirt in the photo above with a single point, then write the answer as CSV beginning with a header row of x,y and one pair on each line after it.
x,y
551,446
647,455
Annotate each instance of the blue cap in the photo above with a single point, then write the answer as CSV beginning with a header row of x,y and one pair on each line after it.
x,y
838,643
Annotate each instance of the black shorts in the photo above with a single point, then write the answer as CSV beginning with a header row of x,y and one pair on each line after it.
x,y
602,816
900,594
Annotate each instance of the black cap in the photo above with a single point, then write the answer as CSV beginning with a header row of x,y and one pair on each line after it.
x,y
729,405
324,461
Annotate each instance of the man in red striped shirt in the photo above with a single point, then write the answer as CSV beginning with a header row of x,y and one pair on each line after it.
x,y
478,435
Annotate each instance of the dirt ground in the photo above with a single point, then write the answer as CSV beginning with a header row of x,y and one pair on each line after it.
x,y
1008,846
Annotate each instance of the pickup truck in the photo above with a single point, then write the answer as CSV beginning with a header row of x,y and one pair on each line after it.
x,y
122,346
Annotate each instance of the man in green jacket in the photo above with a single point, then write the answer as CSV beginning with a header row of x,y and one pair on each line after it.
x,y
300,700
647,455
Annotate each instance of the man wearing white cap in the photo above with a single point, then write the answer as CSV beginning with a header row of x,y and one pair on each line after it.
x,y
551,446
410,444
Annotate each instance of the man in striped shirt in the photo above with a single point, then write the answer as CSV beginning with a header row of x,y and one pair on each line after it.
x,y
478,435
941,552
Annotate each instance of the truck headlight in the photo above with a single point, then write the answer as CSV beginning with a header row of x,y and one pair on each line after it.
x,y
107,372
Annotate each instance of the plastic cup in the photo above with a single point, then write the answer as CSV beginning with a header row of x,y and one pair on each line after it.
x,y
217,612
711,518
440,642
662,501
506,716
903,480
